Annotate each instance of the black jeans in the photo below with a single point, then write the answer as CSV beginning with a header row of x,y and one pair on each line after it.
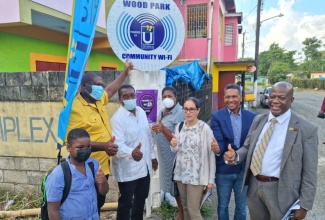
x,y
101,198
132,198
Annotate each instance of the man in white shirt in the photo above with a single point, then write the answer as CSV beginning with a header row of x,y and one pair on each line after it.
x,y
281,153
135,158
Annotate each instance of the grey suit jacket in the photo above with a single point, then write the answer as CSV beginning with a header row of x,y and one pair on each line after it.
x,y
298,171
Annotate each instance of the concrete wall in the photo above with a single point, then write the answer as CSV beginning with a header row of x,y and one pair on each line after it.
x,y
30,103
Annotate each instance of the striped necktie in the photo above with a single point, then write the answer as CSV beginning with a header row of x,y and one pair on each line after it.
x,y
256,164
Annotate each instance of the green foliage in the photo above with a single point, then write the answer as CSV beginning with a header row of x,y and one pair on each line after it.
x,y
274,56
278,72
207,210
260,83
166,211
308,83
22,200
246,59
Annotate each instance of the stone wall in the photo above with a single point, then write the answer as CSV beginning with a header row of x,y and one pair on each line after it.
x,y
22,169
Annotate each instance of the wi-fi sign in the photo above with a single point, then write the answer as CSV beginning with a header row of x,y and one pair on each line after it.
x,y
146,33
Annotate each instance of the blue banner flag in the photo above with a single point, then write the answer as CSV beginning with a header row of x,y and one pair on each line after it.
x,y
82,31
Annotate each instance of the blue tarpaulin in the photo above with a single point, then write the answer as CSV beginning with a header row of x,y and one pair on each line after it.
x,y
192,74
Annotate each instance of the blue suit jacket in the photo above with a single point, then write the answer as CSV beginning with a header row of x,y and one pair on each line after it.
x,y
223,133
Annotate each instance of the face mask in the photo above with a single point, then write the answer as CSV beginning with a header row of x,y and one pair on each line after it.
x,y
129,104
168,102
96,92
83,154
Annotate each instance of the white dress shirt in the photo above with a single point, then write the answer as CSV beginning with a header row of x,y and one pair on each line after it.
x,y
273,153
130,130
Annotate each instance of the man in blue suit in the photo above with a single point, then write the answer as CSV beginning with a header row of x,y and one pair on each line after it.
x,y
230,126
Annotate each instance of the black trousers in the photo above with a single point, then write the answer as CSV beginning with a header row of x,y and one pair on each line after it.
x,y
132,198
101,198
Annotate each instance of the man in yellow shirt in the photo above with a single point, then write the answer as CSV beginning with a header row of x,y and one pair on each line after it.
x,y
88,112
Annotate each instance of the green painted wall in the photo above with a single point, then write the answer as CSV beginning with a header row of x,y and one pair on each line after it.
x,y
15,53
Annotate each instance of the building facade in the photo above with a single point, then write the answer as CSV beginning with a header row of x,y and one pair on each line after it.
x,y
34,36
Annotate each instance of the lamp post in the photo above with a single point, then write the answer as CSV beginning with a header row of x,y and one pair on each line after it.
x,y
257,44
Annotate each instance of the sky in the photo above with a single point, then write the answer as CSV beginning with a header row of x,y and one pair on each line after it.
x,y
302,19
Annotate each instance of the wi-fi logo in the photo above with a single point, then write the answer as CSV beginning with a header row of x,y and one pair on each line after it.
x,y
147,32
170,33
123,27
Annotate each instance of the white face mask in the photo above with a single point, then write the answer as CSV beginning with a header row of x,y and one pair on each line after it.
x,y
168,102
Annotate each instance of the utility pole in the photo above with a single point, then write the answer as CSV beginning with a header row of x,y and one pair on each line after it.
x,y
257,44
243,46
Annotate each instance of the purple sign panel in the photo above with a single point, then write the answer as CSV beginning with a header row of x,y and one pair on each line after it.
x,y
147,100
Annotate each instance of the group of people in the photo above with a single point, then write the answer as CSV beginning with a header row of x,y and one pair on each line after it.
x,y
268,160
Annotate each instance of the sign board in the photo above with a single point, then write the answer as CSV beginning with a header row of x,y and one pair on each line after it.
x,y
251,69
149,32
147,100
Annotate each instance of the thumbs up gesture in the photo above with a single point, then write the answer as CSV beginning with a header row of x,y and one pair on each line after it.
x,y
111,148
173,141
100,177
229,156
136,153
214,146
159,127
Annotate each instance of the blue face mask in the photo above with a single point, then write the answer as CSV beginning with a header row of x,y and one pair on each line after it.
x,y
130,104
96,92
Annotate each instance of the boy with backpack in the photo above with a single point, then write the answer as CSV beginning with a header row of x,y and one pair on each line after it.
x,y
86,179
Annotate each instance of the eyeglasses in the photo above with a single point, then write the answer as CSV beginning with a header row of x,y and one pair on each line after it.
x,y
189,110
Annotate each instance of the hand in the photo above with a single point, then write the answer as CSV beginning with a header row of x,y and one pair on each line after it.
x,y
154,164
111,148
214,146
208,187
100,176
229,156
299,214
159,127
136,153
173,141
128,66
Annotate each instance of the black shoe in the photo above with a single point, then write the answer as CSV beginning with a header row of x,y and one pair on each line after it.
x,y
321,115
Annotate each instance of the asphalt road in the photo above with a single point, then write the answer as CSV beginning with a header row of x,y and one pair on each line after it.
x,y
306,104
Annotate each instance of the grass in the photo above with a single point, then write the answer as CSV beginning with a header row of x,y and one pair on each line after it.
x,y
22,200
166,211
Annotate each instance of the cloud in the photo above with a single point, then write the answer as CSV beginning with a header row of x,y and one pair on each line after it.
x,y
288,31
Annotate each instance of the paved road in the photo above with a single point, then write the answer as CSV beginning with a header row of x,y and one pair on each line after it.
x,y
306,104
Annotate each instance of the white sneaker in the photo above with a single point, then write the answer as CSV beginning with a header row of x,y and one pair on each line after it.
x,y
170,199
162,196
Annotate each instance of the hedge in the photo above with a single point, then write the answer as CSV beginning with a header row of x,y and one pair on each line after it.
x,y
308,83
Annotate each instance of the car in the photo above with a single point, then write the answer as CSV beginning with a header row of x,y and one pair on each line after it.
x,y
264,97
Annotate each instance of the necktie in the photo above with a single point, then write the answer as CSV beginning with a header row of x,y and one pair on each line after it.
x,y
256,164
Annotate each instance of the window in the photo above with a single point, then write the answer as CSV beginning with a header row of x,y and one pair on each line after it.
x,y
108,68
50,66
197,21
229,34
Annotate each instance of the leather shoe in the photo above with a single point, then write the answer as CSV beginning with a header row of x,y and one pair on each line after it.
x,y
321,114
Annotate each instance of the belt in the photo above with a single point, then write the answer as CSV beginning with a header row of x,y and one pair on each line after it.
x,y
266,178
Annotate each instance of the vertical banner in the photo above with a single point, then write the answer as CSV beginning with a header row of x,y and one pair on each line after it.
x,y
82,30
147,100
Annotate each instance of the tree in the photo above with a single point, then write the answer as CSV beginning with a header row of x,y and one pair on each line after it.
x,y
311,48
276,55
314,58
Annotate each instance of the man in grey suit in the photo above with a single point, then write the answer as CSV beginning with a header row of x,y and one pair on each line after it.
x,y
281,159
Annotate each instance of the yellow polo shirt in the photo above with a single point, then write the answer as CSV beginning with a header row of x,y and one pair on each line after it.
x,y
94,119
